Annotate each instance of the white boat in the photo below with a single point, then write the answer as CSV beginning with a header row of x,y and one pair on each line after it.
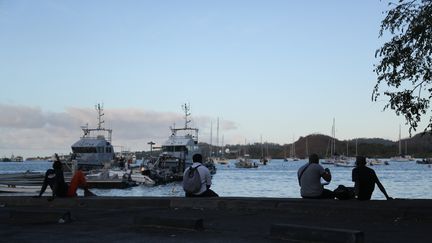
x,y
245,162
222,161
94,149
142,179
177,153
372,162
28,189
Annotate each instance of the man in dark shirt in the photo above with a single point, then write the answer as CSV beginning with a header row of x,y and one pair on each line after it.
x,y
364,179
55,179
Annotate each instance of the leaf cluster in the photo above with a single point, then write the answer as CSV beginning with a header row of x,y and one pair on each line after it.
x,y
405,62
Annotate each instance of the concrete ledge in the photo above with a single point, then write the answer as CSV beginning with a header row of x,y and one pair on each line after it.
x,y
180,223
38,217
315,234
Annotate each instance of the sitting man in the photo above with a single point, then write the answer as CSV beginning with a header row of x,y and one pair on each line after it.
x,y
364,179
54,178
203,186
78,180
309,177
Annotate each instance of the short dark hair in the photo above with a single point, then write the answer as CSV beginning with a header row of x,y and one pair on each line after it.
x,y
57,165
197,158
360,160
313,158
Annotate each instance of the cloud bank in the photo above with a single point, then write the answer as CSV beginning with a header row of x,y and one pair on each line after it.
x,y
31,130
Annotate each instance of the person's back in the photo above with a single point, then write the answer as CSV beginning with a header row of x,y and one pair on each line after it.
x,y
309,177
78,180
205,176
364,179
310,181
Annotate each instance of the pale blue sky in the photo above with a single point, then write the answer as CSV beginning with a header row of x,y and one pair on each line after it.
x,y
276,68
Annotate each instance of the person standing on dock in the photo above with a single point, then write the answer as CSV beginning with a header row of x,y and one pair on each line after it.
x,y
202,185
309,177
364,179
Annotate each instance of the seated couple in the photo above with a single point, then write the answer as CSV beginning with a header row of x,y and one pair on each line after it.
x,y
310,175
54,178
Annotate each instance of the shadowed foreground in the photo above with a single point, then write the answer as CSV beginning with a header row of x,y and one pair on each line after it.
x,y
25,219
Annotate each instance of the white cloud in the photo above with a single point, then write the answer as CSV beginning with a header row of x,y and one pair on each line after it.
x,y
26,130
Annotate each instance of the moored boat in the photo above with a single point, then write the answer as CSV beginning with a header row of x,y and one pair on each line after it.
x,y
94,149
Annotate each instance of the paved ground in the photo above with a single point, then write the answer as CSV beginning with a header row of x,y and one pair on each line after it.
x,y
25,219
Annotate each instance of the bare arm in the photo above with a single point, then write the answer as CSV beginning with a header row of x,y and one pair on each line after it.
x,y
381,187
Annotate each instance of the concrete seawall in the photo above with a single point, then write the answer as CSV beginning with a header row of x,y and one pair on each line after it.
x,y
164,219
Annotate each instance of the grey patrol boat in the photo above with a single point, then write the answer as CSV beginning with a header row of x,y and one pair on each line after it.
x,y
94,149
177,152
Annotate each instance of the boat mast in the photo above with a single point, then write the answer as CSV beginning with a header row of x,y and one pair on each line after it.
x,y
211,138
217,138
99,109
400,142
262,148
334,136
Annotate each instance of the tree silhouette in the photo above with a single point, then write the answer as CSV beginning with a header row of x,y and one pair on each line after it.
x,y
405,62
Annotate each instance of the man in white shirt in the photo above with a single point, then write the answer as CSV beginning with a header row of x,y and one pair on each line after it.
x,y
309,177
205,175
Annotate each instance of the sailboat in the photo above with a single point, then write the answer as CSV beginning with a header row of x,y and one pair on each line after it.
x,y
244,161
401,157
336,159
293,156
266,159
220,156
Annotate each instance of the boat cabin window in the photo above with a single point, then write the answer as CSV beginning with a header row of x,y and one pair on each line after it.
x,y
108,150
84,150
174,148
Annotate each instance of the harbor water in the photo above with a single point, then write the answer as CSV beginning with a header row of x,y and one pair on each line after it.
x,y
276,179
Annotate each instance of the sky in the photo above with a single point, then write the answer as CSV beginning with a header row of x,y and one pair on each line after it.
x,y
276,69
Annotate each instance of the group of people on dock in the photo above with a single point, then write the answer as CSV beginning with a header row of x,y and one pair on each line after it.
x,y
197,181
364,178
54,178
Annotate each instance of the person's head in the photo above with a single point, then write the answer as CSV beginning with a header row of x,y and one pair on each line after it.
x,y
313,158
197,158
360,161
57,165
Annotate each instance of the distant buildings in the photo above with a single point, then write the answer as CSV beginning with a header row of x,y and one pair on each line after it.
x,y
12,159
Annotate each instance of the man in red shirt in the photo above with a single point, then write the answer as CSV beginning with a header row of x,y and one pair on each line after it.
x,y
78,180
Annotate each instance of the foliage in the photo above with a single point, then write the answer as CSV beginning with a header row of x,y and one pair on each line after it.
x,y
405,62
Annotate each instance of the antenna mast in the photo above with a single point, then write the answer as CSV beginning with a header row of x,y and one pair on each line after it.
x,y
99,109
186,109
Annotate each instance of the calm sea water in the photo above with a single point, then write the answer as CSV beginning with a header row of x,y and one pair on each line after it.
x,y
276,179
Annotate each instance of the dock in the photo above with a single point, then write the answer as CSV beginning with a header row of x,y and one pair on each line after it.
x,y
177,219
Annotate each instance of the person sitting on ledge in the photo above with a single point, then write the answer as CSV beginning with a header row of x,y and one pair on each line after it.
x,y
78,180
309,177
203,188
364,179
55,179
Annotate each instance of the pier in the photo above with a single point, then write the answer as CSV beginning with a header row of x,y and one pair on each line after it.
x,y
176,219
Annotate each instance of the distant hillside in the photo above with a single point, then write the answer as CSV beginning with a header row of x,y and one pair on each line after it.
x,y
418,146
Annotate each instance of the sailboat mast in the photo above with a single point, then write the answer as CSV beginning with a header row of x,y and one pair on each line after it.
x,y
400,142
217,137
334,136
211,137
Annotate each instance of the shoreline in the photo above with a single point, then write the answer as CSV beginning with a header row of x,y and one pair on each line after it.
x,y
174,219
